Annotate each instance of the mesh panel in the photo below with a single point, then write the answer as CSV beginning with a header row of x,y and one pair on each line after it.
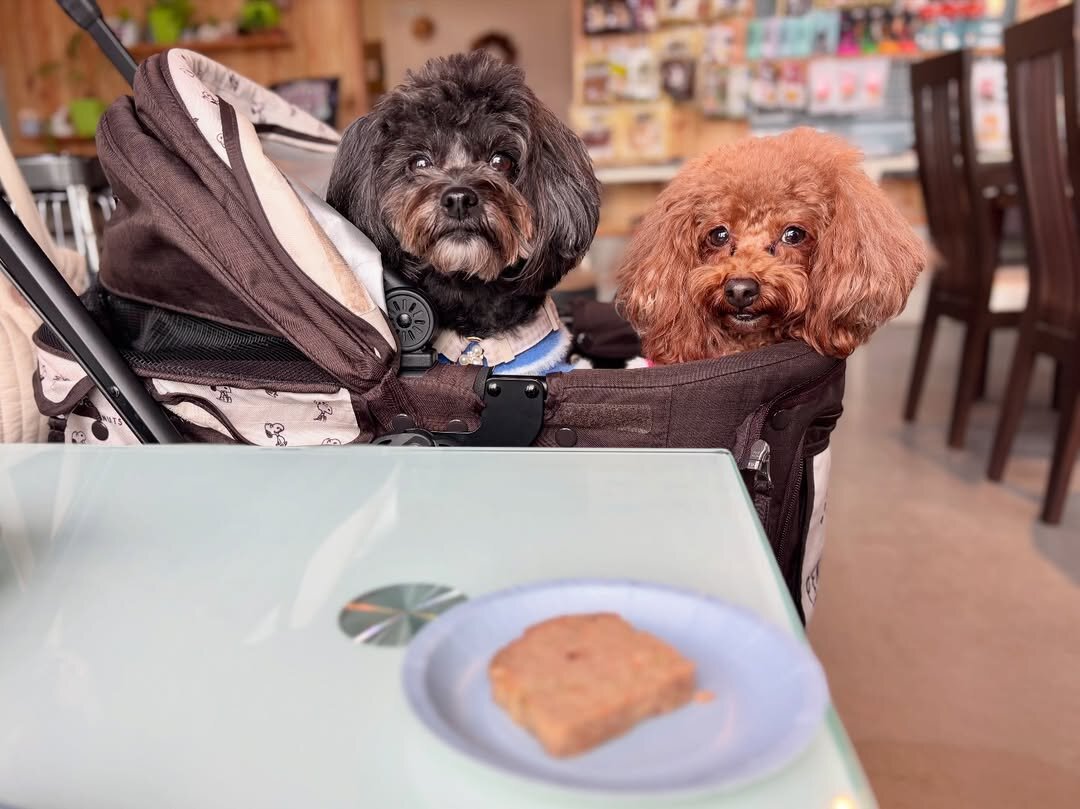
x,y
158,342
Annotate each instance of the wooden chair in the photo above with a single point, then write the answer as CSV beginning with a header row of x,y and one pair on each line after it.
x,y
965,228
1040,57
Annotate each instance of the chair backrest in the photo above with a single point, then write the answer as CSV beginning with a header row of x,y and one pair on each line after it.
x,y
1040,57
66,189
48,172
958,217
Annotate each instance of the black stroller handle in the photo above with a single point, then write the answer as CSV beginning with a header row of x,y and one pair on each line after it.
x,y
30,270
87,15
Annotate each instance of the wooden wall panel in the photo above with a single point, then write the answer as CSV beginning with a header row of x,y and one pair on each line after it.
x,y
326,40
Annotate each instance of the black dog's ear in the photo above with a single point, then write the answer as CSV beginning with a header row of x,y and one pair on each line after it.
x,y
353,189
560,185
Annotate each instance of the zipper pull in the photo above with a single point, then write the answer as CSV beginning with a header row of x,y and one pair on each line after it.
x,y
757,472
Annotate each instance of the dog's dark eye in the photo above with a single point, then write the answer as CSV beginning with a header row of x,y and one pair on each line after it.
x,y
718,237
419,162
502,163
793,235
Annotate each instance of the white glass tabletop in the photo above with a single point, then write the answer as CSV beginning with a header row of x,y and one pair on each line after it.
x,y
169,616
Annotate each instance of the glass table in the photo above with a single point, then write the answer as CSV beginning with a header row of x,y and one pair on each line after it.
x,y
169,616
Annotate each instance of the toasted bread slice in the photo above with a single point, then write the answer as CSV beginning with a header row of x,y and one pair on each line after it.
x,y
578,680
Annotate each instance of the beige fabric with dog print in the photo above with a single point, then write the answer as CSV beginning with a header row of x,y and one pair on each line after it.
x,y
194,75
267,418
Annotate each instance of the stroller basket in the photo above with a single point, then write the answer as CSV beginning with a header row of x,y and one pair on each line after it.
x,y
252,313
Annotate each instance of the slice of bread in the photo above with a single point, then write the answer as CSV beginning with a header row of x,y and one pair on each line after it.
x,y
578,680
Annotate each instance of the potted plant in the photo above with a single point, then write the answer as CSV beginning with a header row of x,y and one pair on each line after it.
x,y
86,109
259,15
86,115
167,20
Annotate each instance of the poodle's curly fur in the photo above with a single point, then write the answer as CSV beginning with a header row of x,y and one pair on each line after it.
x,y
855,261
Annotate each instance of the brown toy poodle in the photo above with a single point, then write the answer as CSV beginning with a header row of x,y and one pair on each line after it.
x,y
766,240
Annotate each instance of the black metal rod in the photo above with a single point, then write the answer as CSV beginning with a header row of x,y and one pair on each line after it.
x,y
87,15
30,270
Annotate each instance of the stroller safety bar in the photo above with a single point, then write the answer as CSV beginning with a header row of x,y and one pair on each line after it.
x,y
30,270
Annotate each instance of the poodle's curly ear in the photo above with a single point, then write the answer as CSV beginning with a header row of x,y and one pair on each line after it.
x,y
563,191
653,278
864,266
353,188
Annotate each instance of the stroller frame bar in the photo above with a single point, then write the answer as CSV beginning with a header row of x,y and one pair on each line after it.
x,y
87,15
42,285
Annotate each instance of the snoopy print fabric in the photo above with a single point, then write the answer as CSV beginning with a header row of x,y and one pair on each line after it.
x,y
260,416
202,83
265,417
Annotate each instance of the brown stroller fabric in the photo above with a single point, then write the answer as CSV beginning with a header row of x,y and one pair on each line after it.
x,y
601,335
787,396
252,322
191,233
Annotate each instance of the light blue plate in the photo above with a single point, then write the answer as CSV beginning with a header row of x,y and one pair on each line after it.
x,y
770,691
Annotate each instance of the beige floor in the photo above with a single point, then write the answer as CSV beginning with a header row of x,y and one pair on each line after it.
x,y
949,619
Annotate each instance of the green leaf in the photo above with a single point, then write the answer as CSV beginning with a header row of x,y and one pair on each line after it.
x,y
71,50
46,69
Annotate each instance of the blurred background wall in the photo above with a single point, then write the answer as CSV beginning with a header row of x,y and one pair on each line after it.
x,y
540,32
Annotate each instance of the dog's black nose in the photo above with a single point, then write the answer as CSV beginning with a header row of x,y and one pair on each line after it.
x,y
459,201
741,292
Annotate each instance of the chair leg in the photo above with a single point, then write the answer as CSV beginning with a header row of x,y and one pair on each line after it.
x,y
922,360
984,369
972,362
1066,451
1013,407
1057,391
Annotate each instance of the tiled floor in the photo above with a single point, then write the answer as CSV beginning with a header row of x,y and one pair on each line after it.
x,y
949,619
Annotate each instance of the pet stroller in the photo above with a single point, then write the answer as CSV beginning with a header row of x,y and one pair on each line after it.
x,y
233,305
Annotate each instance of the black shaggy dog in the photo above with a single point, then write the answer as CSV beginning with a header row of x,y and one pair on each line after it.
x,y
470,188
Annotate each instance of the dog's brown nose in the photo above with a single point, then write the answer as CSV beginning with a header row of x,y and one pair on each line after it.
x,y
741,292
459,202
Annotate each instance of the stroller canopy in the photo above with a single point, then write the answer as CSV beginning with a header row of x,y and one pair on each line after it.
x,y
208,225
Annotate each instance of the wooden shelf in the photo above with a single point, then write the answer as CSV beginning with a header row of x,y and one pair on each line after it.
x,y
642,173
268,40
83,147
899,57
